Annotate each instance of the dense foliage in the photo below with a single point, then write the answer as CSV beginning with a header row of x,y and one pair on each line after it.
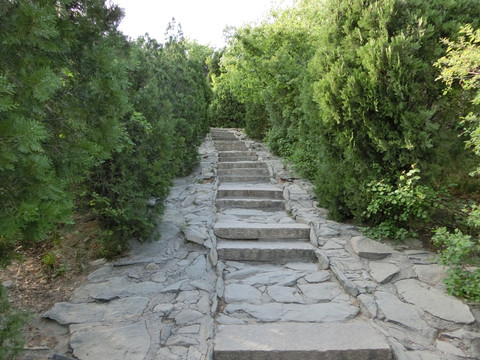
x,y
347,91
460,249
89,117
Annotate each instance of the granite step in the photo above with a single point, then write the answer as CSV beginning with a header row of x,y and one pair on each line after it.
x,y
243,172
230,146
239,230
266,251
224,137
242,164
305,341
230,156
249,191
244,178
252,203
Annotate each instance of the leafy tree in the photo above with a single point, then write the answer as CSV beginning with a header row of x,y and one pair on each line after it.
x,y
265,68
458,249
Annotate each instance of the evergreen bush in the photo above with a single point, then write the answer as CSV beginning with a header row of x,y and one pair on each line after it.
x,y
380,108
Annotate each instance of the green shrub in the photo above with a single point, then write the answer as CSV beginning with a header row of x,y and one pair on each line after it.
x,y
62,98
395,210
379,106
461,253
11,324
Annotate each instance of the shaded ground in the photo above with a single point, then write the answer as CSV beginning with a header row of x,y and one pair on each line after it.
x,y
47,273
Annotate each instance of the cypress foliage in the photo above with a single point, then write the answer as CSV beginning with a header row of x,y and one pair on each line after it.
x,y
63,92
381,109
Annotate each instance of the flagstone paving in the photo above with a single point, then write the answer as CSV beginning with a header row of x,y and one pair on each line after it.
x,y
193,295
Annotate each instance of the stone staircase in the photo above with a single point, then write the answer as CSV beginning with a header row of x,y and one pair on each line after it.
x,y
278,303
252,224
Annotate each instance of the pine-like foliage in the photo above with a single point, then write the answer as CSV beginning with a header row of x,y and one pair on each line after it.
x,y
380,109
62,92
168,93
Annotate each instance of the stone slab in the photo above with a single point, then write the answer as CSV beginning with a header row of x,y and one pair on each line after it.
x,y
276,251
71,313
250,203
370,249
434,301
244,178
250,231
242,164
383,272
286,341
110,342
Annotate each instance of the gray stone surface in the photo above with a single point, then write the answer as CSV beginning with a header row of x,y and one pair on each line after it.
x,y
159,302
286,341
285,294
130,341
383,272
367,304
434,301
370,249
432,274
327,312
321,292
398,312
71,313
242,230
245,293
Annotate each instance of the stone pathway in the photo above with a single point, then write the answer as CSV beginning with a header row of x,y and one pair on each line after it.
x,y
203,290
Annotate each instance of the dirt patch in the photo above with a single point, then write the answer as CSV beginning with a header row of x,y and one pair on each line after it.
x,y
47,273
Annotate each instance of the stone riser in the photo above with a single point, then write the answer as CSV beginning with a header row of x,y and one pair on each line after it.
x,y
251,204
272,252
246,179
297,341
224,137
250,231
250,193
242,164
234,146
243,172
229,158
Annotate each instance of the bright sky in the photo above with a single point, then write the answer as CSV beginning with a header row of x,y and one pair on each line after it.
x,y
201,20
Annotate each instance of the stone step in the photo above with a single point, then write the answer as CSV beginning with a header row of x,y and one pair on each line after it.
x,y
230,156
230,146
239,230
254,203
244,179
242,164
226,136
244,172
300,341
237,158
266,251
252,191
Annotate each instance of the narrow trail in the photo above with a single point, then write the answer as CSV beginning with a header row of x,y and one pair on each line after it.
x,y
248,267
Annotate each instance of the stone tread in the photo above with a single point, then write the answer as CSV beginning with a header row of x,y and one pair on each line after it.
x,y
243,172
250,231
255,203
246,178
241,164
241,250
306,341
